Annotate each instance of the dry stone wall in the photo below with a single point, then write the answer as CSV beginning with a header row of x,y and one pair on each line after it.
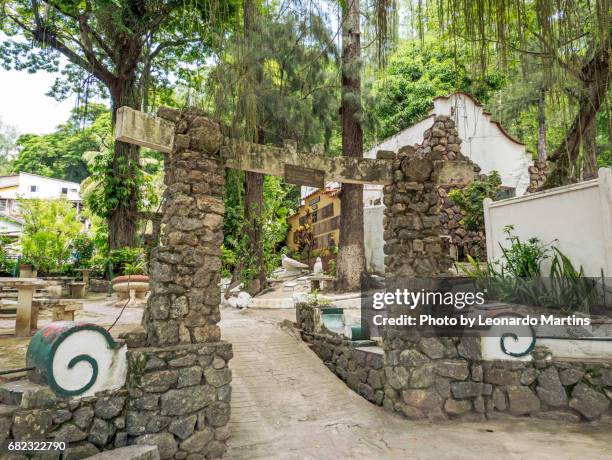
x,y
361,368
437,378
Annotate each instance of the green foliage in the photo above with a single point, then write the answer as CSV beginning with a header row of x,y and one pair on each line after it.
x,y
7,263
279,200
523,260
104,189
84,248
50,227
127,261
60,154
281,83
470,200
417,73
520,277
304,235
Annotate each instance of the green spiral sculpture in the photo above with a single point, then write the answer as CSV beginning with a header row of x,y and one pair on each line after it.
x,y
43,353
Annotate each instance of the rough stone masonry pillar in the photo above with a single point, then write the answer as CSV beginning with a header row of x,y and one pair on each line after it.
x,y
179,381
425,374
184,303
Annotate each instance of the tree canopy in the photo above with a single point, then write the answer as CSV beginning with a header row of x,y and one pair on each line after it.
x,y
60,154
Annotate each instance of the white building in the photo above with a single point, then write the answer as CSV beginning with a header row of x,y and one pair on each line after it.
x,y
25,185
484,141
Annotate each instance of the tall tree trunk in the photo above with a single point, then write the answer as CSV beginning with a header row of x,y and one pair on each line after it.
x,y
253,187
123,219
596,83
542,125
589,152
351,254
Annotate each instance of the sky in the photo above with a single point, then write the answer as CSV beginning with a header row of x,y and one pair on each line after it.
x,y
24,105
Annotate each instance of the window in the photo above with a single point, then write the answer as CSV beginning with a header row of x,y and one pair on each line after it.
x,y
73,190
327,211
3,203
34,188
64,190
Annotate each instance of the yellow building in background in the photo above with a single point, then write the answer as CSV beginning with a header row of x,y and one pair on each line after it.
x,y
324,205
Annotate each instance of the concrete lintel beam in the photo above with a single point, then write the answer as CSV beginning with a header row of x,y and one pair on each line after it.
x,y
135,127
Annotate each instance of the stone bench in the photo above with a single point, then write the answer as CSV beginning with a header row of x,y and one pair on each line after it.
x,y
62,309
321,282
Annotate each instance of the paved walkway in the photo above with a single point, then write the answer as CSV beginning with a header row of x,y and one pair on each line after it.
x,y
287,405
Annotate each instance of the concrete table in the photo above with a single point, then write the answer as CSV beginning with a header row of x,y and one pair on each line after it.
x,y
25,291
85,272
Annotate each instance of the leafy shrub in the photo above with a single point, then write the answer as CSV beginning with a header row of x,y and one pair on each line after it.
x,y
50,227
520,278
470,200
127,261
84,247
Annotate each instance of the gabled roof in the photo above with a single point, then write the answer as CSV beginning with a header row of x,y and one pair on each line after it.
x,y
485,112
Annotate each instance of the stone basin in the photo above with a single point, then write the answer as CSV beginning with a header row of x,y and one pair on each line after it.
x,y
131,286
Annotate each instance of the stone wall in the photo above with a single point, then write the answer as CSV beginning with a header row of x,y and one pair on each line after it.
x,y
176,398
537,175
183,306
415,233
429,377
439,378
360,368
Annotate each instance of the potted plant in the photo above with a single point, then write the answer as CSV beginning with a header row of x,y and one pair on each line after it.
x,y
27,269
133,283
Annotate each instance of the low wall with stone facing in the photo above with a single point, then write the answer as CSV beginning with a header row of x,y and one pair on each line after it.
x,y
439,378
361,369
176,398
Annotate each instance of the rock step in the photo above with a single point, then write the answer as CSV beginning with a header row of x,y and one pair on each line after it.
x,y
26,394
128,453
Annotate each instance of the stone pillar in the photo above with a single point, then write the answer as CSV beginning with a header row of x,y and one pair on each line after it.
x,y
420,367
183,306
179,382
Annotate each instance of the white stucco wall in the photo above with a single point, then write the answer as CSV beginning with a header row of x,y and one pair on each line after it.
x,y
485,143
372,236
48,188
577,216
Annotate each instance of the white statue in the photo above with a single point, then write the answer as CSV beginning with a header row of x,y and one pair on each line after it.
x,y
292,265
318,267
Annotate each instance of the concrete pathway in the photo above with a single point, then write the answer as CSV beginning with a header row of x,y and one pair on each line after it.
x,y
287,405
